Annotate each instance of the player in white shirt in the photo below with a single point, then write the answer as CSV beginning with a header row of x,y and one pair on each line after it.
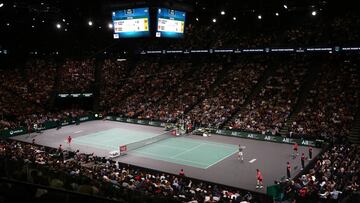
x,y
241,153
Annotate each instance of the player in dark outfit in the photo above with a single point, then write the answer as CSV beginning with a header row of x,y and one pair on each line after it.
x,y
296,146
288,170
302,161
310,153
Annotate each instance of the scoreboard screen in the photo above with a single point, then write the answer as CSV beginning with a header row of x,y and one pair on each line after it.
x,y
170,23
129,23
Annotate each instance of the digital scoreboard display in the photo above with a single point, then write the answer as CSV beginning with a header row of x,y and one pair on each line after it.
x,y
130,23
170,23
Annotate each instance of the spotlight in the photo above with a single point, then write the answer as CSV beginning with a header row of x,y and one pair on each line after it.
x,y
110,25
222,13
58,25
259,17
285,6
214,20
90,23
197,19
1,5
313,13
277,14
234,18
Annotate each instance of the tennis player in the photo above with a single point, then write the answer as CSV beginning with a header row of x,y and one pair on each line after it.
x,y
296,147
241,153
288,170
69,140
259,179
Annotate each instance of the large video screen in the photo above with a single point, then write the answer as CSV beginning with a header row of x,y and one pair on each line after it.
x,y
170,23
129,23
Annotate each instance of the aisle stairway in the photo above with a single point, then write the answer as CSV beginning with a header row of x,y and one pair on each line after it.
x,y
354,136
255,91
303,94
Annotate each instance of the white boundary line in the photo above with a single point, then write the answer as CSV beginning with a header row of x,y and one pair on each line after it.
x,y
222,159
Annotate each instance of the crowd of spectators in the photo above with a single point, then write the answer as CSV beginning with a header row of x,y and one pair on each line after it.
x,y
335,175
210,92
207,90
38,119
146,83
77,75
227,96
89,174
332,102
26,92
113,75
186,93
268,111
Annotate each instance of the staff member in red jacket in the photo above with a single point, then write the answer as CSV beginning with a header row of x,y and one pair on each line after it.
x,y
182,173
69,140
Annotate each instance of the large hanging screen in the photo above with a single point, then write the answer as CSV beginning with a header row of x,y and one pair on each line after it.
x,y
130,23
170,23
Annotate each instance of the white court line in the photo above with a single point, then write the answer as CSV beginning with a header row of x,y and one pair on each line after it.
x,y
252,161
188,150
221,159
78,131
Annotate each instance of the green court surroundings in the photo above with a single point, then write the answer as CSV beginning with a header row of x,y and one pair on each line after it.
x,y
178,150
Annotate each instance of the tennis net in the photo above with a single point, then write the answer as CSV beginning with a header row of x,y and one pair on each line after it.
x,y
143,143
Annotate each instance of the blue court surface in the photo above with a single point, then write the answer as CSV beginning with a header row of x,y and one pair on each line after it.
x,y
186,151
179,150
112,139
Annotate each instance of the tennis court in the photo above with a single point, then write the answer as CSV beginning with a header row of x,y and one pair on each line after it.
x,y
180,150
208,158
111,139
185,151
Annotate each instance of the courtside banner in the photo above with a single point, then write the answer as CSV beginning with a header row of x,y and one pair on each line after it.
x,y
257,136
227,132
13,132
50,124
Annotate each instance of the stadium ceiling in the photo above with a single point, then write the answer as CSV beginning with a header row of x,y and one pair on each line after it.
x,y
35,21
38,14
23,10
